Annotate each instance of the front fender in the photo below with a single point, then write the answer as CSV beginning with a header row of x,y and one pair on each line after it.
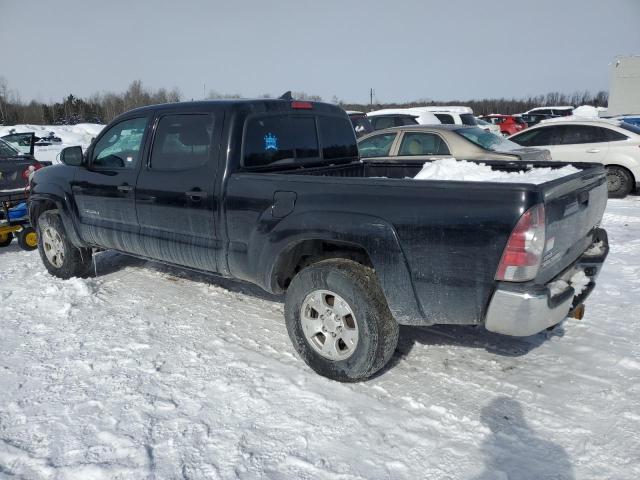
x,y
53,194
377,237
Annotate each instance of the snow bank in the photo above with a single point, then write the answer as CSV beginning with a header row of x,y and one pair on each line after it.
x,y
80,134
461,170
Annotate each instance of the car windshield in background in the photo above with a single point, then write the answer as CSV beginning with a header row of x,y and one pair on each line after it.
x,y
7,150
630,127
487,140
468,119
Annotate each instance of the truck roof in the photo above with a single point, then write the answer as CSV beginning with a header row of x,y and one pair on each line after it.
x,y
266,102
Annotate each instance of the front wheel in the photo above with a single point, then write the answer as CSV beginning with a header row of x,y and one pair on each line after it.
x,y
619,181
60,257
338,320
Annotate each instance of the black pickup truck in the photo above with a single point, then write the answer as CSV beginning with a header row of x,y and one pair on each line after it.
x,y
273,192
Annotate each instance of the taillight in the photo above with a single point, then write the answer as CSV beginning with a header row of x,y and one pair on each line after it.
x,y
522,256
301,105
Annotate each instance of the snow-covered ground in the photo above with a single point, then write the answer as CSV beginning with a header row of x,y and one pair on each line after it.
x,y
150,372
80,134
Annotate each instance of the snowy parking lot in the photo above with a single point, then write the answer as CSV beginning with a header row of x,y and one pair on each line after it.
x,y
146,371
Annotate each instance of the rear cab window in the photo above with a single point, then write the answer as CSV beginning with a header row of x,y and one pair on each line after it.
x,y
291,139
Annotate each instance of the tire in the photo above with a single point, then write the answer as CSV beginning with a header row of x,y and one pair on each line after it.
x,y
369,327
619,181
28,239
6,239
70,261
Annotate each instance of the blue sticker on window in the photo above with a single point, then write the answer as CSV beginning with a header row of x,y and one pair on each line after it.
x,y
270,142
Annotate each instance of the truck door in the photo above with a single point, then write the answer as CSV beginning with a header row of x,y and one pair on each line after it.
x,y
105,191
175,197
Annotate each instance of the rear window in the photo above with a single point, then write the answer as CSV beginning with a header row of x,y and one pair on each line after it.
x,y
280,139
338,140
487,140
468,119
287,139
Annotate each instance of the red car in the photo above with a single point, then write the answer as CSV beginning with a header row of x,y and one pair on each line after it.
x,y
509,124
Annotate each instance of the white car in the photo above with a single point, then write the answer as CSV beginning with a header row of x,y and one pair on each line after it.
x,y
451,115
397,116
489,127
612,143
560,110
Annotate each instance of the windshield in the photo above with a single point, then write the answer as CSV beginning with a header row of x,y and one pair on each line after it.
x,y
488,140
7,150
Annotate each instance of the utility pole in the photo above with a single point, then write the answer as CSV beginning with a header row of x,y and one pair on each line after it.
x,y
204,95
371,98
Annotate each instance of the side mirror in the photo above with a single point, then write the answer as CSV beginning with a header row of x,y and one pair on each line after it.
x,y
71,156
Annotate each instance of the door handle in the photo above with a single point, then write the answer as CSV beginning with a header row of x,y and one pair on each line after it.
x,y
593,150
196,195
125,188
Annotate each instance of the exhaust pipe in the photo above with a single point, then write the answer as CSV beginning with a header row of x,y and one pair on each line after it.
x,y
578,312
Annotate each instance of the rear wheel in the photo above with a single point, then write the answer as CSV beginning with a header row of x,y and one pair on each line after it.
x,y
28,239
619,181
61,258
5,239
338,320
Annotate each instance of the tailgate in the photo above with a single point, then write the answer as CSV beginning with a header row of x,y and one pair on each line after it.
x,y
574,205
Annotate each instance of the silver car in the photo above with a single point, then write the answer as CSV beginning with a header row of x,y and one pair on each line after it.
x,y
433,142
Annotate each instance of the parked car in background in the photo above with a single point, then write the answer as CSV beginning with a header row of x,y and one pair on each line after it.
x,y
489,127
613,143
451,114
361,123
532,119
402,115
508,124
561,111
16,167
432,142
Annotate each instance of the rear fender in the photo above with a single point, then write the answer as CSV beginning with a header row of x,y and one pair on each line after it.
x,y
377,237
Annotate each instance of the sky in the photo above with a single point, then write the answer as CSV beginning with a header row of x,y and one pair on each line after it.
x,y
404,50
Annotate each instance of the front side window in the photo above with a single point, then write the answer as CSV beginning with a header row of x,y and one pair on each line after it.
x,y
377,146
281,139
182,142
120,146
536,138
422,144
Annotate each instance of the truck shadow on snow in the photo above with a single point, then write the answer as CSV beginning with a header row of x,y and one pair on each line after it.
x,y
513,449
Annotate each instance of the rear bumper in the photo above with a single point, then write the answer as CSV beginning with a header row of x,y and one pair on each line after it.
x,y
520,310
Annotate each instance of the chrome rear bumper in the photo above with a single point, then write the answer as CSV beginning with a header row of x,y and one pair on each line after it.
x,y
520,311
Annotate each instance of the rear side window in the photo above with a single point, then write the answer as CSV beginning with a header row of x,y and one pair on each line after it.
x,y
468,119
281,139
613,136
445,118
422,144
338,140
182,142
380,123
400,121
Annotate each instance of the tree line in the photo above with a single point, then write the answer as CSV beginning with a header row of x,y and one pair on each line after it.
x,y
104,107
